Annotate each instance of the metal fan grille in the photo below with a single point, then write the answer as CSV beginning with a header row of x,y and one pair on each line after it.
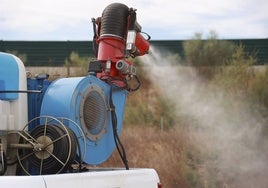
x,y
94,113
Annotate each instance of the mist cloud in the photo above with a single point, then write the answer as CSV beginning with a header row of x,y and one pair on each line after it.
x,y
224,126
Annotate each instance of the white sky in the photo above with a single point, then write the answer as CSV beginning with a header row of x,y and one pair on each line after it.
x,y
162,19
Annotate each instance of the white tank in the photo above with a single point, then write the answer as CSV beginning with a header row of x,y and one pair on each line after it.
x,y
13,105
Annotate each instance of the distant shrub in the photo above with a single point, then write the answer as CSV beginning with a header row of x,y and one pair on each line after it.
x,y
236,75
209,52
75,60
259,88
206,56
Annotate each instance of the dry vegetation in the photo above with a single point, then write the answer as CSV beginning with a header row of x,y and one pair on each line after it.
x,y
149,147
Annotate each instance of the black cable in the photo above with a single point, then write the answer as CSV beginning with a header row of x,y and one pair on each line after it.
x,y
138,84
119,145
95,37
149,37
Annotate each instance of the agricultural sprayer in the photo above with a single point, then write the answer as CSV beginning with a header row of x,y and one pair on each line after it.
x,y
50,127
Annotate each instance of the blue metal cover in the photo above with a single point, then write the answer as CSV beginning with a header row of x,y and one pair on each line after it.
x,y
65,97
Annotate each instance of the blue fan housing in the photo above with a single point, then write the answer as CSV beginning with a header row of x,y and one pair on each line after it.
x,y
85,100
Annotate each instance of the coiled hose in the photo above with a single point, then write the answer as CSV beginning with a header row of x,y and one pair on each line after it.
x,y
57,156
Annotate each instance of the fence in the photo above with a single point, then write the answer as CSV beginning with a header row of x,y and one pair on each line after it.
x,y
54,53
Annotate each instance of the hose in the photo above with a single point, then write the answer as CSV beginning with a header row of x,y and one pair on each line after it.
x,y
118,143
114,20
62,155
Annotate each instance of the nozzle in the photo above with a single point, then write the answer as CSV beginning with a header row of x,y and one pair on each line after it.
x,y
125,68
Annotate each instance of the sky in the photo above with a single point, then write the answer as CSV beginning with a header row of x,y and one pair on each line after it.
x,y
63,20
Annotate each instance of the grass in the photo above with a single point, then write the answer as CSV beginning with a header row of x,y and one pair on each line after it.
x,y
149,147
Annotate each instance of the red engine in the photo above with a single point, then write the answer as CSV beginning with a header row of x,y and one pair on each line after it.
x,y
117,36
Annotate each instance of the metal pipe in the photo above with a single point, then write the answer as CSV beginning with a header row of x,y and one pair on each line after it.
x,y
22,146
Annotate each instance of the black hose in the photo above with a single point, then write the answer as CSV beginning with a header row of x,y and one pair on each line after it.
x,y
137,86
119,145
61,149
114,20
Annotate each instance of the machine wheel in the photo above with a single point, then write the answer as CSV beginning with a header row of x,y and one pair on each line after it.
x,y
52,148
